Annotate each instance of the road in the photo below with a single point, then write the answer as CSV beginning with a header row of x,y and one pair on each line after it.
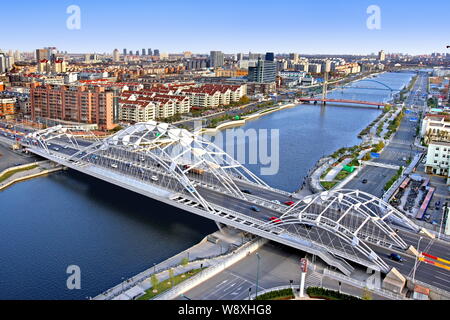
x,y
147,169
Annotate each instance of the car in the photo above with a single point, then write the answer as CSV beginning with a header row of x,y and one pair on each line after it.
x,y
246,191
396,257
190,189
275,220
276,202
289,203
255,209
365,181
115,166
56,148
155,178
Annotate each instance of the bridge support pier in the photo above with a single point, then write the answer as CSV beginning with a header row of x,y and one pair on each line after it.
x,y
221,227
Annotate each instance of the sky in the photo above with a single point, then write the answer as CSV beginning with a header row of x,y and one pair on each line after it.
x,y
231,26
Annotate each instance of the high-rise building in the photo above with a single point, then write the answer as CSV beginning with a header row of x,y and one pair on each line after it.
x,y
156,53
264,72
137,52
131,52
240,56
2,62
294,57
124,52
149,52
381,55
73,103
217,59
116,56
143,52
270,56
42,54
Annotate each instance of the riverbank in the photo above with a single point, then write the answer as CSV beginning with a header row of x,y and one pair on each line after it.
x,y
21,173
213,252
238,123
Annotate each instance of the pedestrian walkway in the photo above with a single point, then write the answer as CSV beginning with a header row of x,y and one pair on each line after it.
x,y
215,245
335,171
25,172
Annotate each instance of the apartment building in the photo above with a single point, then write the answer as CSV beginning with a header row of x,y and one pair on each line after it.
x,y
146,105
435,127
7,107
214,95
438,159
81,104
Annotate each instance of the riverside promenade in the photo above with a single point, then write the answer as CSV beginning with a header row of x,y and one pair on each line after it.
x,y
21,173
214,253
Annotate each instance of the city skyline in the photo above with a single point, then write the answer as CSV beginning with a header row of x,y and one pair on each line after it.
x,y
333,29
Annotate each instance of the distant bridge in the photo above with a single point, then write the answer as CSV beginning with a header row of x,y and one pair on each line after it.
x,y
324,101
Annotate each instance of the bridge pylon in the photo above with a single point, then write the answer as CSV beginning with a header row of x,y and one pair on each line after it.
x,y
325,89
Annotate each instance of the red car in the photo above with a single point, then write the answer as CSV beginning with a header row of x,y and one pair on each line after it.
x,y
289,203
275,220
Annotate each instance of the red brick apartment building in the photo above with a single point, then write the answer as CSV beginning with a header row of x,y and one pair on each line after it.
x,y
81,104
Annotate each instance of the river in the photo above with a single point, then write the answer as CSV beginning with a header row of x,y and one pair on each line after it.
x,y
67,218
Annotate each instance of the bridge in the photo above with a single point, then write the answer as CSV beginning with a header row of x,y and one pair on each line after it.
x,y
186,171
346,101
324,100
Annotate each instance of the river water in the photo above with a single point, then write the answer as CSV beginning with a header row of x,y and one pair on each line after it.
x,y
50,223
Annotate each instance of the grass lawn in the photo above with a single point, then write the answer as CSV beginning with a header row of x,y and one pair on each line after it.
x,y
342,175
12,172
329,185
286,294
168,284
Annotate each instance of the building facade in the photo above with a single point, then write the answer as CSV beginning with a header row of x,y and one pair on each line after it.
x,y
81,104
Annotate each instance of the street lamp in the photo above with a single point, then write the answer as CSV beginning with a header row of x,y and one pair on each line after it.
x,y
415,262
257,275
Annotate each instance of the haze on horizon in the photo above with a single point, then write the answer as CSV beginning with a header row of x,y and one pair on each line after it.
x,y
200,26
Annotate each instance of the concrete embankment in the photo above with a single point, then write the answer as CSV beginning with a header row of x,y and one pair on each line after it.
x,y
215,252
242,122
27,172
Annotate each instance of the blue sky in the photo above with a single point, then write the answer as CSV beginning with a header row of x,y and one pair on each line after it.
x,y
304,26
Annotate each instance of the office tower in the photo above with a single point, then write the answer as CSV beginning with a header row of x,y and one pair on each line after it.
x,y
42,54
381,56
143,52
131,52
240,56
264,72
217,59
294,57
2,62
150,52
116,56
137,52
270,56
124,52
156,53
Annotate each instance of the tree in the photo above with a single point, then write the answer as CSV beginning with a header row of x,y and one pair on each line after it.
x,y
367,295
171,276
244,100
184,262
367,157
154,281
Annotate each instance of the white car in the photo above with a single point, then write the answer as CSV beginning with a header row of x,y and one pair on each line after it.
x,y
115,166
155,178
276,202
